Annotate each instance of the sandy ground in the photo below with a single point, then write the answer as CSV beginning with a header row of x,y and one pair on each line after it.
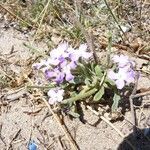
x,y
15,117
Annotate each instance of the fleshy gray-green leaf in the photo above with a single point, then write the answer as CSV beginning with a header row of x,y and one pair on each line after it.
x,y
73,114
92,66
87,81
99,94
115,104
98,71
111,82
84,70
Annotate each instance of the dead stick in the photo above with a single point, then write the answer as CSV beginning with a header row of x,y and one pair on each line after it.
x,y
141,94
110,124
56,117
133,113
89,39
14,137
1,135
3,72
67,134
60,143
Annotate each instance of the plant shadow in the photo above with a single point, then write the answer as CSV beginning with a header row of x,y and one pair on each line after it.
x,y
140,141
125,103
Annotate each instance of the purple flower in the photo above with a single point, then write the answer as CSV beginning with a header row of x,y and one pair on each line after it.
x,y
56,95
130,76
122,77
62,61
68,74
58,75
67,71
72,65
55,75
123,61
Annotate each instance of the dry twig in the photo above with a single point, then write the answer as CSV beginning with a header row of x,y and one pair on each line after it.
x,y
14,137
15,95
56,117
15,16
44,13
141,94
1,138
67,134
132,109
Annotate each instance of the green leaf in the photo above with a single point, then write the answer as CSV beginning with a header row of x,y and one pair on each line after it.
x,y
109,81
99,94
73,114
80,96
78,80
105,85
83,70
92,66
98,71
115,104
85,89
87,81
94,81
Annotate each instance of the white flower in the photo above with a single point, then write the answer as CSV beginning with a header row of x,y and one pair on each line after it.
x,y
122,77
123,61
56,95
83,52
80,53
60,51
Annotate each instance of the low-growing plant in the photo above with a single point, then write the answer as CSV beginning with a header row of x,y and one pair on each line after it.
x,y
74,76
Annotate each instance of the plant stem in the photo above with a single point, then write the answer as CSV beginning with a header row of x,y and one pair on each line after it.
x,y
108,7
41,21
88,35
40,87
109,49
79,96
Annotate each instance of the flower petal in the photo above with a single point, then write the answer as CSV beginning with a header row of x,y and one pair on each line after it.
x,y
52,61
56,95
121,60
83,47
112,75
130,77
49,74
72,65
116,58
51,101
120,84
59,78
69,76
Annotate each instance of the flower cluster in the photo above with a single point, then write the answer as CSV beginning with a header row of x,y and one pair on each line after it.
x,y
125,73
57,68
62,60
